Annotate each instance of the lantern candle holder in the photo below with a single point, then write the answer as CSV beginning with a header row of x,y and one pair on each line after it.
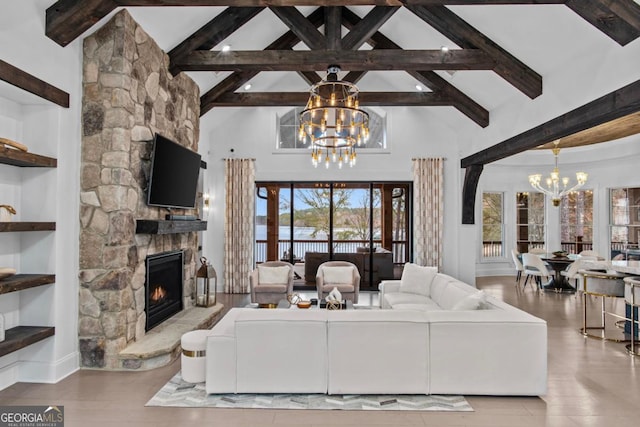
x,y
206,284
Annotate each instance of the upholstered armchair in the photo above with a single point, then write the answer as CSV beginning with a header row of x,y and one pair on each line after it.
x,y
338,274
271,282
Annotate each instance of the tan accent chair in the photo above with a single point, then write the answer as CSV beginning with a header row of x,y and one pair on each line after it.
x,y
269,290
327,279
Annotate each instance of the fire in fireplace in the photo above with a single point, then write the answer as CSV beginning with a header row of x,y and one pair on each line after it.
x,y
163,287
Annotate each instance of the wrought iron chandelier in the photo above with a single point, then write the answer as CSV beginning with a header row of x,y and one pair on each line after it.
x,y
333,122
556,186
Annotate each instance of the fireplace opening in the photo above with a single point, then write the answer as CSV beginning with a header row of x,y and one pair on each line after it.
x,y
163,287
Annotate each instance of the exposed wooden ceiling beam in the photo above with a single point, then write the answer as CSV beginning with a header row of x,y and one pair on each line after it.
x,y
25,81
367,27
618,19
301,27
316,60
431,79
285,99
464,35
619,103
611,106
67,19
215,31
236,80
241,3
333,27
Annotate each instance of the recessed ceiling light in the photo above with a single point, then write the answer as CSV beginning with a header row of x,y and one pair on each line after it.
x,y
419,88
226,48
247,86
444,49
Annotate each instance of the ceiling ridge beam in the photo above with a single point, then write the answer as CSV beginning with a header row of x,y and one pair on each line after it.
x,y
245,3
314,60
237,79
431,79
301,26
466,36
613,105
367,27
213,32
620,20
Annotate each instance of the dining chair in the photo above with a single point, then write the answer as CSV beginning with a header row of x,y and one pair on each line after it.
x,y
534,267
538,251
518,264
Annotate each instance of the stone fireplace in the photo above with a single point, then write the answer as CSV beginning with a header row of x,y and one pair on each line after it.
x,y
128,95
163,287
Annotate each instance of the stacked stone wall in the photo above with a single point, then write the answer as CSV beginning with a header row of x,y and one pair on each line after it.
x,y
128,95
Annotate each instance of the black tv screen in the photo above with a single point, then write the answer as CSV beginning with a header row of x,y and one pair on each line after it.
x,y
174,175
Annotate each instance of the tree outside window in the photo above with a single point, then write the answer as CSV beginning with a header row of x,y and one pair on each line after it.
x,y
492,225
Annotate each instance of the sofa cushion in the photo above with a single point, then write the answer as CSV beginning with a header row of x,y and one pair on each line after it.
x,y
438,285
473,301
394,298
431,306
273,274
453,292
417,279
337,275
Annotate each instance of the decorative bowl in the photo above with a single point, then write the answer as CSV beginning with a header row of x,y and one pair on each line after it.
x,y
304,304
560,253
6,272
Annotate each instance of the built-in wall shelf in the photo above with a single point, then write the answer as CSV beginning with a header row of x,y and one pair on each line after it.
x,y
149,226
27,226
25,281
11,156
22,336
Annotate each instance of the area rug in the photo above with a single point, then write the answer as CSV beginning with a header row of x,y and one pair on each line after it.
x,y
177,393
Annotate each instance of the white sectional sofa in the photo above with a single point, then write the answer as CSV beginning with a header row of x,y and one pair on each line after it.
x,y
439,341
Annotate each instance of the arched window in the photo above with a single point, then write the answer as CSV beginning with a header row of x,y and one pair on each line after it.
x,y
288,125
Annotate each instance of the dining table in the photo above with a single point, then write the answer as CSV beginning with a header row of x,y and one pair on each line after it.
x,y
558,263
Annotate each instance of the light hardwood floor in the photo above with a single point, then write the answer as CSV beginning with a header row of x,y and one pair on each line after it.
x,y
591,383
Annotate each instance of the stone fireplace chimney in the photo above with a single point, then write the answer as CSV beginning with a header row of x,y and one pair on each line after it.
x,y
128,95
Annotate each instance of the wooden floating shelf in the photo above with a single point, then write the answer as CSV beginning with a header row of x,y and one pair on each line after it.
x,y
147,226
10,156
25,281
22,336
27,226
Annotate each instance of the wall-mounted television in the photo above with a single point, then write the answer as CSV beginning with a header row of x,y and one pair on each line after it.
x,y
174,174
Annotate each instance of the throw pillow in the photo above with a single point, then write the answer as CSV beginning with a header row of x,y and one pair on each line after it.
x,y
273,275
337,275
474,301
381,250
417,279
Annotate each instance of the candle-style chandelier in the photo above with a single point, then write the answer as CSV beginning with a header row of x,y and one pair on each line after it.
x,y
333,122
556,186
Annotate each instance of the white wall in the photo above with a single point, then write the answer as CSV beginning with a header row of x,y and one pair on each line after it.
x,y
251,133
43,194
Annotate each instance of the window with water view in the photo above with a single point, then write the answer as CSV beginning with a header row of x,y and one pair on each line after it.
x,y
310,223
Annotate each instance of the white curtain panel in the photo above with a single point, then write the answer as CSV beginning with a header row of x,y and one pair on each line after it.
x,y
428,211
238,224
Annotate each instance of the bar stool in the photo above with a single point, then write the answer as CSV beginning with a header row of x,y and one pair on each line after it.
x,y
632,298
604,285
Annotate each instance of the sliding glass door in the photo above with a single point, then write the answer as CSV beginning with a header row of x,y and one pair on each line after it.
x,y
310,223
